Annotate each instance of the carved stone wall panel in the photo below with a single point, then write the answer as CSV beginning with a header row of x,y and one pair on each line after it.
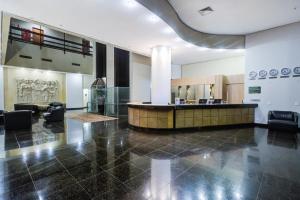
x,y
37,91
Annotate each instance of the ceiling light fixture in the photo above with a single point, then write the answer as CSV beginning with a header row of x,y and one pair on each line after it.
x,y
130,3
153,18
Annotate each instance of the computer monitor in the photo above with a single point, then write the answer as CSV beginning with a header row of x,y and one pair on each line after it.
x,y
202,101
216,101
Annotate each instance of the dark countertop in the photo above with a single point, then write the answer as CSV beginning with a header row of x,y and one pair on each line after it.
x,y
189,106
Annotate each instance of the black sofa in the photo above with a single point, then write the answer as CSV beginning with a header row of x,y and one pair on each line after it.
x,y
283,120
24,106
56,104
55,114
1,117
18,120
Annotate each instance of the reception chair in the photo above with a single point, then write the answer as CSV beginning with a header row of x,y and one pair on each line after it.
x,y
1,117
55,114
283,120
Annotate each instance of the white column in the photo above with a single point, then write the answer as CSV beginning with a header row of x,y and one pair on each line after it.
x,y
1,89
74,90
161,75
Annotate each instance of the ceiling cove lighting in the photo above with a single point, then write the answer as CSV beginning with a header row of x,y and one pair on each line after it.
x,y
153,18
130,3
188,45
220,50
168,30
239,50
202,49
178,39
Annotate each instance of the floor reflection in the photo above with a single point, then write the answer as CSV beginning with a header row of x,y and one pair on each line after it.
x,y
107,160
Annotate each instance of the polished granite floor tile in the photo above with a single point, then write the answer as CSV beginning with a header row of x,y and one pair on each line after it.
x,y
101,184
25,192
71,192
107,160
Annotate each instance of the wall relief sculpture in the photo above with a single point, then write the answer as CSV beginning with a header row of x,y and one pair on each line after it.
x,y
37,91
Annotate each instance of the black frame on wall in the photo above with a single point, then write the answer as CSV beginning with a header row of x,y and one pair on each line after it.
x,y
121,67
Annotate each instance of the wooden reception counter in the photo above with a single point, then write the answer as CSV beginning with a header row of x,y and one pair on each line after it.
x,y
189,116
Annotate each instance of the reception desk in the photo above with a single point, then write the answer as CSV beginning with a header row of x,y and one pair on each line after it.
x,y
189,116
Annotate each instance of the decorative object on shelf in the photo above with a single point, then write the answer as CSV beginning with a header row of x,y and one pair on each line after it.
x,y
85,46
297,70
285,71
273,72
38,35
252,75
25,34
262,74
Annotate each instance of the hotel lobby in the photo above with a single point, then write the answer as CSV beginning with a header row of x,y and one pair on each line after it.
x,y
149,100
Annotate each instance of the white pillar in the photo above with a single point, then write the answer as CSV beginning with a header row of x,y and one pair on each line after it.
x,y
161,75
1,88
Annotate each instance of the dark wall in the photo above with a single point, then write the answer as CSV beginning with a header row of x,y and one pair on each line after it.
x,y
121,68
100,60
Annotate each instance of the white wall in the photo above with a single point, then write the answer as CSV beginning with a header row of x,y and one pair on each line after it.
x,y
1,69
227,66
140,78
74,90
176,71
275,48
1,89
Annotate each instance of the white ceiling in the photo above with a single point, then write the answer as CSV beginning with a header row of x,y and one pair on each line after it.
x,y
120,22
237,16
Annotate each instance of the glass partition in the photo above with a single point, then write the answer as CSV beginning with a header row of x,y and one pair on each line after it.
x,y
109,101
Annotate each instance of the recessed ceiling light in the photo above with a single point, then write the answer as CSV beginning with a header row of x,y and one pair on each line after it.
x,y
130,3
153,18
168,30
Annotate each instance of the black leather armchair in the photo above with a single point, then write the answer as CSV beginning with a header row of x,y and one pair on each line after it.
x,y
56,104
283,120
18,120
1,117
24,106
54,114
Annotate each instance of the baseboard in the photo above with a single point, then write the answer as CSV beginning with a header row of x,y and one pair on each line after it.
x,y
261,125
266,126
81,108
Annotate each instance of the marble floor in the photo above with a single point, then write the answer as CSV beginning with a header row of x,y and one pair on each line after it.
x,y
107,160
